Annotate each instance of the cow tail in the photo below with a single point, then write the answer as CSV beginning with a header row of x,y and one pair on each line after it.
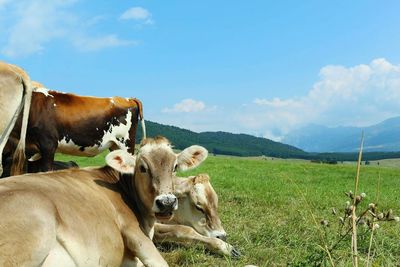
x,y
5,135
140,109
19,157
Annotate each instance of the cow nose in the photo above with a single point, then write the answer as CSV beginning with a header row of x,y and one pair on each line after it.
x,y
159,203
166,203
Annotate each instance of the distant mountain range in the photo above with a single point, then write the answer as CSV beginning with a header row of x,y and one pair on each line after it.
x,y
384,136
223,143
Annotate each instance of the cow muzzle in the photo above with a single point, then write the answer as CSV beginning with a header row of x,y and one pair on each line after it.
x,y
164,206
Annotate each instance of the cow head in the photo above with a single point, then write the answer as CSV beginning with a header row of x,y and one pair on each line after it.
x,y
198,206
154,168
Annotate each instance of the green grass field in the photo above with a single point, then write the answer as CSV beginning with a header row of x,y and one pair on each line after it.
x,y
266,207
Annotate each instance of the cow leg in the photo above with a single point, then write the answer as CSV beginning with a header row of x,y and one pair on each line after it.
x,y
34,166
7,162
58,256
47,151
142,247
131,261
183,233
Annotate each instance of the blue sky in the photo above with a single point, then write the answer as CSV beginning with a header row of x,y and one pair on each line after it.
x,y
258,67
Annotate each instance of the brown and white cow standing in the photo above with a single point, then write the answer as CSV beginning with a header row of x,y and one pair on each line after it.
x,y
15,95
78,125
92,216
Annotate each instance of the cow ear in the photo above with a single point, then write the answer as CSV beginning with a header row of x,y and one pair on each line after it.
x,y
183,185
201,178
191,157
121,161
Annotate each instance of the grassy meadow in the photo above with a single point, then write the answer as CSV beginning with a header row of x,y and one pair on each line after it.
x,y
267,208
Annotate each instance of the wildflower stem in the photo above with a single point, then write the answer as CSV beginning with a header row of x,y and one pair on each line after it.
x,y
373,221
354,215
370,243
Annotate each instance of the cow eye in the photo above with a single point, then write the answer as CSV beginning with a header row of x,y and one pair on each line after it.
x,y
142,169
199,209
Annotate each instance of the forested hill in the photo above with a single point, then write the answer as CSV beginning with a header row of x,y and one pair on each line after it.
x,y
223,142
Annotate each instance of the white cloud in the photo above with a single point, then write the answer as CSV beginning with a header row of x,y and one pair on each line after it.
x,y
95,20
276,102
94,44
35,23
186,106
29,26
359,95
138,14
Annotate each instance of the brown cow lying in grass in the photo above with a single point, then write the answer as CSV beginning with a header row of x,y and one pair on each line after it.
x,y
196,218
92,216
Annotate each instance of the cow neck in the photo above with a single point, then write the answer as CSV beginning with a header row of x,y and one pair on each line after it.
x,y
131,197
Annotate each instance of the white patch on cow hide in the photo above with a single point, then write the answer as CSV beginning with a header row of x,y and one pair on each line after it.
x,y
43,91
149,147
35,157
69,147
109,138
112,101
121,131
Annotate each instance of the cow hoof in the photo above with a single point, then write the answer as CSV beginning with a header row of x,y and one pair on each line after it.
x,y
235,253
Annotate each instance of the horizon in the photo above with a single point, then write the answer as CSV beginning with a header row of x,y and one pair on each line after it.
x,y
263,69
308,125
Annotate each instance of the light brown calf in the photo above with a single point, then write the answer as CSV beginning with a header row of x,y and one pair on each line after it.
x,y
196,218
91,217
